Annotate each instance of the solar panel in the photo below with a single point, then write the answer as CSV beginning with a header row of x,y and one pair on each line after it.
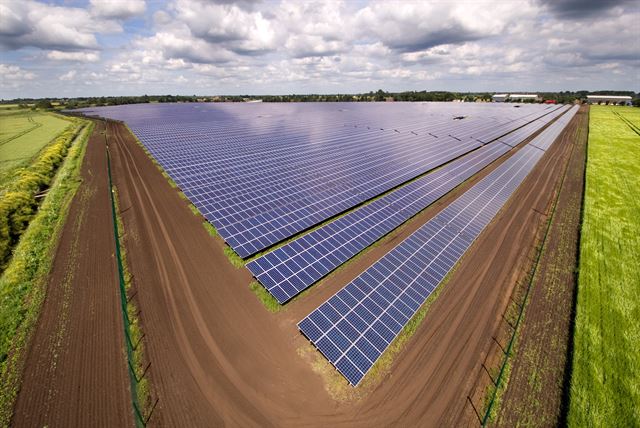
x,y
261,173
251,235
292,268
355,326
548,136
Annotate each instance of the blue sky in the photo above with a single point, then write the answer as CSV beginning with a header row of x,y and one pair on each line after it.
x,y
133,47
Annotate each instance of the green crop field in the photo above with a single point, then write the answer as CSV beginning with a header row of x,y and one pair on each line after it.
x,y
605,382
23,134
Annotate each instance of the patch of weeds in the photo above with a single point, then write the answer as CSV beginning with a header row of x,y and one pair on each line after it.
x,y
211,230
233,257
265,297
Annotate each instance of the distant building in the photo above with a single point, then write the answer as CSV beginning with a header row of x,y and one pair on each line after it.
x,y
500,98
609,99
524,97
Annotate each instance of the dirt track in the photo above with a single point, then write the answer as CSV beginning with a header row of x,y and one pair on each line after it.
x,y
75,370
534,393
218,357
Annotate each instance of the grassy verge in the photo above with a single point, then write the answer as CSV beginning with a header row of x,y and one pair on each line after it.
x,y
605,379
23,283
210,229
135,328
267,299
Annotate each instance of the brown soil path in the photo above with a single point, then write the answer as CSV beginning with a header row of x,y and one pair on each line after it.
x,y
75,370
218,357
534,393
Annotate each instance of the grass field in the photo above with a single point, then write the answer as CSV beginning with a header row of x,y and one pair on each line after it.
x,y
23,134
605,383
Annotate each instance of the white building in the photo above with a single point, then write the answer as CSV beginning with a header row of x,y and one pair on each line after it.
x,y
610,99
524,97
500,98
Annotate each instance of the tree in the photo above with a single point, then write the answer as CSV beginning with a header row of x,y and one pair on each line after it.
x,y
44,104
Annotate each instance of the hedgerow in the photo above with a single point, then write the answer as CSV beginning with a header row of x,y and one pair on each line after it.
x,y
19,201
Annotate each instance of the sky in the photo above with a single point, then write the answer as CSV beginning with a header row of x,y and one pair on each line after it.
x,y
69,48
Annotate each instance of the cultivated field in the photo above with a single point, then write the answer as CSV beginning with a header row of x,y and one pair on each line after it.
x,y
605,383
23,134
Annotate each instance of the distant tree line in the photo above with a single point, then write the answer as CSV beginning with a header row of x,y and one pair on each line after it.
x,y
377,96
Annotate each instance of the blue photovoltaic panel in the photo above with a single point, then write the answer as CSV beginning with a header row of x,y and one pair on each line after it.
x,y
293,267
548,136
261,173
290,269
250,236
355,326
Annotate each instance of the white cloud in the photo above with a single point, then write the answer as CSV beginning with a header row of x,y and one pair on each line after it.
x,y
226,46
14,77
81,56
29,23
14,72
117,9
313,45
416,26
70,75
236,28
181,46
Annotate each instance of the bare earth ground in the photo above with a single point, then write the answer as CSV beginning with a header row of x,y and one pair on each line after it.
x,y
534,394
75,371
218,357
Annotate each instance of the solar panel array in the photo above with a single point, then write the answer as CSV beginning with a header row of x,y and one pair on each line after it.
x,y
261,173
355,326
292,268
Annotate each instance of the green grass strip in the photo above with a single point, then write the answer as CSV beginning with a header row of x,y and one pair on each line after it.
x,y
265,297
605,373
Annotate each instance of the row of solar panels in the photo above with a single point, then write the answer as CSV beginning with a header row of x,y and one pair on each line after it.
x,y
292,268
270,177
325,194
355,326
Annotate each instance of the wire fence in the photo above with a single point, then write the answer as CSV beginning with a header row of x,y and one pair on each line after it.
x,y
140,419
